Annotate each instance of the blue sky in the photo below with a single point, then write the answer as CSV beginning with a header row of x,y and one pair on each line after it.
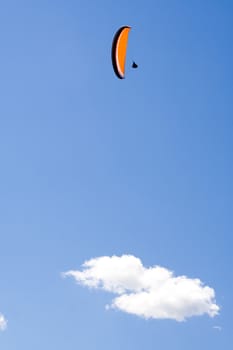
x,y
93,166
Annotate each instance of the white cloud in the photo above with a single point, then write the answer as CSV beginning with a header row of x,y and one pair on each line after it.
x,y
3,323
147,292
218,328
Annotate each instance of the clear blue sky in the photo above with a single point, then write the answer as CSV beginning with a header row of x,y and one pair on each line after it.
x,y
92,165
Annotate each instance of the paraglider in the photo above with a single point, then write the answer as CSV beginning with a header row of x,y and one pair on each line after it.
x,y
119,48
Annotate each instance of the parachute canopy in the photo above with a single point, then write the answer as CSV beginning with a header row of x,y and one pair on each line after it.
x,y
119,48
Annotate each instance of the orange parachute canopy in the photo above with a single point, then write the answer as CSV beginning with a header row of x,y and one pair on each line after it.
x,y
119,48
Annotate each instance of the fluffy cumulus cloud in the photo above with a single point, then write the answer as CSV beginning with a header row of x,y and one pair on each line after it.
x,y
153,292
3,323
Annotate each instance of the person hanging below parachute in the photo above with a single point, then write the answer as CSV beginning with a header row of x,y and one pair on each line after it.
x,y
119,48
